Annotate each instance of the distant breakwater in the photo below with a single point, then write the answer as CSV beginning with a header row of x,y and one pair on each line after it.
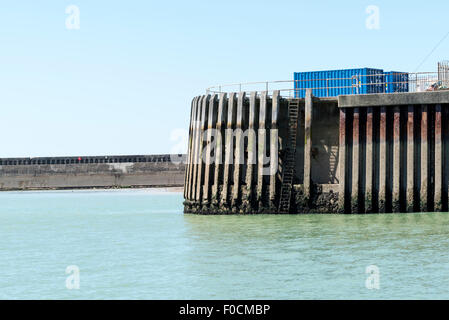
x,y
128,171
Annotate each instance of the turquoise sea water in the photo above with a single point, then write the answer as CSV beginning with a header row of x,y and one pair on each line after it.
x,y
137,244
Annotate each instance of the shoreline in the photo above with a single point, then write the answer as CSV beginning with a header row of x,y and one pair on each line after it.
x,y
158,189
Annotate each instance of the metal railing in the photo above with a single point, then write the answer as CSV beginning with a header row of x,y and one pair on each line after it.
x,y
89,159
443,71
391,82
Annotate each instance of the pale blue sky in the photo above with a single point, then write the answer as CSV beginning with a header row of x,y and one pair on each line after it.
x,y
123,82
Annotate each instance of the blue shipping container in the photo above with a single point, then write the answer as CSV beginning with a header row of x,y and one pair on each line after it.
x,y
333,83
396,82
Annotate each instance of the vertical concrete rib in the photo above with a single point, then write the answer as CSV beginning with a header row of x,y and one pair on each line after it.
x,y
274,149
251,150
396,159
424,159
261,148
239,150
355,161
211,123
308,144
229,153
382,160
438,159
190,149
369,172
195,158
201,150
410,159
342,161
219,146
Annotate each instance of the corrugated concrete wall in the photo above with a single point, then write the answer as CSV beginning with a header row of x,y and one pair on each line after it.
x,y
366,153
225,176
89,175
395,152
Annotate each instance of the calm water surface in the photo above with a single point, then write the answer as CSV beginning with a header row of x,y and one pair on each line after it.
x,y
137,244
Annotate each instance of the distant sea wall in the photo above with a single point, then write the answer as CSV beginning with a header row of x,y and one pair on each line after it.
x,y
91,172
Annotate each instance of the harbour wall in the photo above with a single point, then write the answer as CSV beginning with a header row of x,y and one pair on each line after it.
x,y
92,172
352,154
395,152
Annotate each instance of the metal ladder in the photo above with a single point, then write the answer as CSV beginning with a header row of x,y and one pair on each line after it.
x,y
289,162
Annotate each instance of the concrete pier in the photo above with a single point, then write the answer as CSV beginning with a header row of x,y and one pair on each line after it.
x,y
208,170
190,150
355,161
219,151
252,153
308,144
424,195
261,151
396,159
239,159
201,150
342,161
197,156
274,147
229,158
383,161
438,175
375,153
369,161
410,160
